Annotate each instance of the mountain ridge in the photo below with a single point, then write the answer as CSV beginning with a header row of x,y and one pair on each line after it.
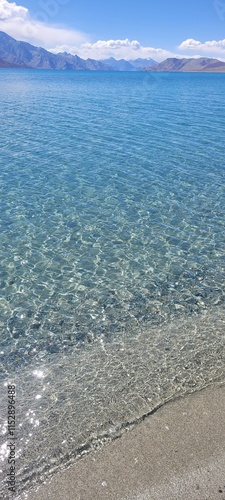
x,y
22,54
128,65
184,65
18,54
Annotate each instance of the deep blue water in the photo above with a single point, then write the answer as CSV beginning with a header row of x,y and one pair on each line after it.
x,y
112,227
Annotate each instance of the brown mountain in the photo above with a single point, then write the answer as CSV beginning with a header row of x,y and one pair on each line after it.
x,y
203,64
22,54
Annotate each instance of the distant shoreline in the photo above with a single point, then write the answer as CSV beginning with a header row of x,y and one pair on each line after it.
x,y
221,71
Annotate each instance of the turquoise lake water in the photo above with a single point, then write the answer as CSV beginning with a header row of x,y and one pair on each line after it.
x,y
112,255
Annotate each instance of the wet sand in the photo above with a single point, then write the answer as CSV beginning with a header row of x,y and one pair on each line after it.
x,y
176,453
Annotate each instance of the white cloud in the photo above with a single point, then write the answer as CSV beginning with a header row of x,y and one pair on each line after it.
x,y
119,49
42,31
39,30
212,47
8,10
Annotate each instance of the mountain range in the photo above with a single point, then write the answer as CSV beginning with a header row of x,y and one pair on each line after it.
x,y
131,65
24,55
203,64
16,54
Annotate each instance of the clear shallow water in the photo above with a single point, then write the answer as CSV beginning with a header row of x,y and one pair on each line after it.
x,y
112,254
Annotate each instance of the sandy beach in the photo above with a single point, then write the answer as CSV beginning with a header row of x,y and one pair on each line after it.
x,y
176,453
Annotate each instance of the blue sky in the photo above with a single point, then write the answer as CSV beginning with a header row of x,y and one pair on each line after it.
x,y
122,28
